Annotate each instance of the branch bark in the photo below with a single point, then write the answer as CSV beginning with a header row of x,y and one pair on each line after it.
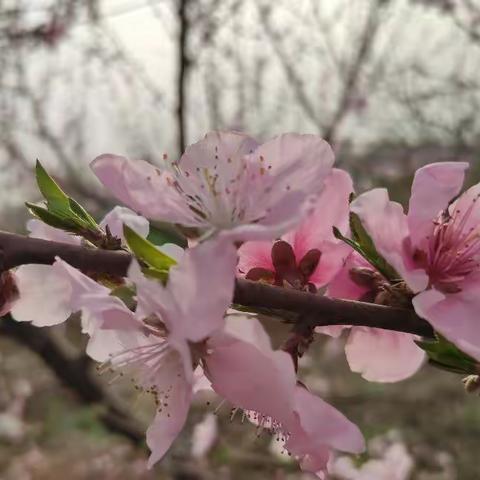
x,y
183,64
16,250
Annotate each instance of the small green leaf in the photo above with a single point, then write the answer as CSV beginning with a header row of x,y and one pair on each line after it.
x,y
161,233
363,244
79,211
361,236
447,356
52,193
147,252
63,212
126,294
51,218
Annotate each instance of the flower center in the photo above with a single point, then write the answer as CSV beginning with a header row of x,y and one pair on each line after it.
x,y
227,192
453,249
287,272
379,290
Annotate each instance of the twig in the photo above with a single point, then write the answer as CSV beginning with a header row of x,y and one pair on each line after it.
x,y
16,250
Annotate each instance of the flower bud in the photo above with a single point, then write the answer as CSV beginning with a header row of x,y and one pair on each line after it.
x,y
472,383
364,277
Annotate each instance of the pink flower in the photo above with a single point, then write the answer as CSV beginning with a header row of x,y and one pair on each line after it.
x,y
318,430
244,369
378,355
314,433
435,248
226,182
395,464
179,326
49,294
310,256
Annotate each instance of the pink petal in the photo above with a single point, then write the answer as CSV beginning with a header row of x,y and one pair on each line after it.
x,y
298,163
281,217
110,333
172,250
467,206
254,255
246,327
214,151
331,209
44,296
331,262
202,285
81,285
120,216
383,356
386,224
250,375
142,187
455,316
152,297
285,176
342,286
38,229
434,186
170,418
325,425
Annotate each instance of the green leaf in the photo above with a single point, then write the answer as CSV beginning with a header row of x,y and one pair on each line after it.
x,y
447,356
126,294
79,211
50,190
63,212
51,218
147,252
361,236
362,243
161,233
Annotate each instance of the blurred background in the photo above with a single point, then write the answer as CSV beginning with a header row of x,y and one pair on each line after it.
x,y
391,84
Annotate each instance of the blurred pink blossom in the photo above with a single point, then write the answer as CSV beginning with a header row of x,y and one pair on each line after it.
x,y
204,436
395,464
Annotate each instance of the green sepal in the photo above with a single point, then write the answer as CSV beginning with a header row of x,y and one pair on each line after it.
x,y
126,294
62,211
447,356
79,211
53,219
148,253
362,243
161,233
56,198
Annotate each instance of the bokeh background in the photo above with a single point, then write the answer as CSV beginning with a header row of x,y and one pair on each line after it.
x,y
391,84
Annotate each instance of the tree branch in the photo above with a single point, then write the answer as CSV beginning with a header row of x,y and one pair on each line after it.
x,y
16,250
183,64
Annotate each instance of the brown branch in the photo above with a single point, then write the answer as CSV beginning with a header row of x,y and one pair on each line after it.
x,y
16,250
354,71
183,64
